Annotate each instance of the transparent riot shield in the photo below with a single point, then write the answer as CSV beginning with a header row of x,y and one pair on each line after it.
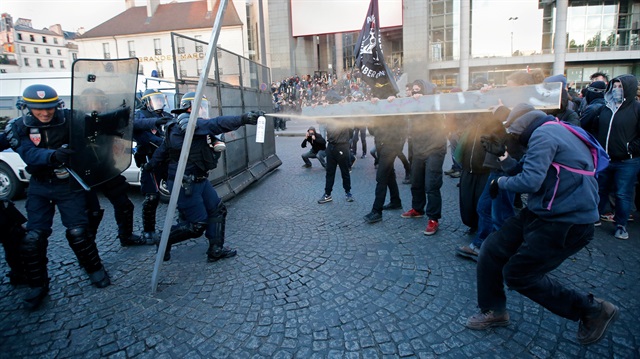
x,y
101,131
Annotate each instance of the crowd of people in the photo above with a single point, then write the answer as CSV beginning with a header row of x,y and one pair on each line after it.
x,y
500,156
41,136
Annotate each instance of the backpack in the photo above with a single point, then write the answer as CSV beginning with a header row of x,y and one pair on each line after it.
x,y
600,157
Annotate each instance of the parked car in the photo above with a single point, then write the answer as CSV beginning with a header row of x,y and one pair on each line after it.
x,y
14,178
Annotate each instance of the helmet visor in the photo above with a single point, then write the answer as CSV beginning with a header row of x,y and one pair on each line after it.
x,y
157,101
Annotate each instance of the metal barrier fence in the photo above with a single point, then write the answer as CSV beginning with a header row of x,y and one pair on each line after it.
x,y
235,85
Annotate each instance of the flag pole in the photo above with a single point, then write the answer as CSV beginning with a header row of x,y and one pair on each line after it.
x,y
186,145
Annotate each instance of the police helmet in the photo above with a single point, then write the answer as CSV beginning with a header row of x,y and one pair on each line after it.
x,y
187,101
39,97
154,100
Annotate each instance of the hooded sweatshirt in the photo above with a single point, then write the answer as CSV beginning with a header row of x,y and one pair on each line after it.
x,y
618,127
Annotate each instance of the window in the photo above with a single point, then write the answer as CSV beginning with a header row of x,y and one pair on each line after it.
x,y
48,51
23,49
26,61
132,48
62,64
59,52
180,41
198,45
74,56
157,46
182,66
32,38
105,50
44,39
38,62
36,50
55,41
51,63
19,36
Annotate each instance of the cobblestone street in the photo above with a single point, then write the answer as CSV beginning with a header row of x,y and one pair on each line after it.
x,y
310,281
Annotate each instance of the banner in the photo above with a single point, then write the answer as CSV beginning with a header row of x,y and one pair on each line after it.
x,y
370,58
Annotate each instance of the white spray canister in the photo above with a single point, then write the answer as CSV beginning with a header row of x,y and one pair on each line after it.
x,y
260,129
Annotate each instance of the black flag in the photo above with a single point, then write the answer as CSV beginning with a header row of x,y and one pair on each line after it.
x,y
370,59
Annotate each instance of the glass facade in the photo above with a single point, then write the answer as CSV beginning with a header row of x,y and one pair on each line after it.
x,y
444,30
600,25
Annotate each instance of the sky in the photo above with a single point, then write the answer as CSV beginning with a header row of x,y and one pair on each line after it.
x,y
71,14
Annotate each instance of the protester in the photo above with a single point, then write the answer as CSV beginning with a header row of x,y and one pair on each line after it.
x,y
317,150
556,224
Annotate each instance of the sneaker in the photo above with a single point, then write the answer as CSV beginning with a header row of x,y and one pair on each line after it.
x,y
363,156
593,326
390,206
306,166
488,319
621,233
432,227
456,174
597,224
349,197
607,217
630,218
325,198
407,179
469,251
412,213
450,171
373,217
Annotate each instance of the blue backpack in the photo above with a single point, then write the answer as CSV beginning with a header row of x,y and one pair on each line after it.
x,y
600,157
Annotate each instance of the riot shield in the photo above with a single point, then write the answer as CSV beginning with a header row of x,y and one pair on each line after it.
x,y
101,131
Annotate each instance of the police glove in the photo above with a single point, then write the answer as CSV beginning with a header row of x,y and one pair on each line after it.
x,y
251,118
493,145
147,167
494,189
62,155
162,121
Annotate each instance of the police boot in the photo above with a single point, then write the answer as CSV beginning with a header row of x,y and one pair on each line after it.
x,y
124,219
33,251
181,232
100,278
95,217
217,222
84,246
149,206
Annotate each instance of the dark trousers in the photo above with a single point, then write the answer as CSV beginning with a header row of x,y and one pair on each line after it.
x,y
362,133
521,254
338,155
386,177
44,196
200,205
426,181
471,187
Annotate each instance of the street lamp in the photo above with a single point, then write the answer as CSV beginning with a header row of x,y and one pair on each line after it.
x,y
512,19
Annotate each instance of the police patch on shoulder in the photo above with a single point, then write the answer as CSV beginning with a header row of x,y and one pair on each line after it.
x,y
34,136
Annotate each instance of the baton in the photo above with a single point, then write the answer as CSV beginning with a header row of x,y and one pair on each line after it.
x,y
80,181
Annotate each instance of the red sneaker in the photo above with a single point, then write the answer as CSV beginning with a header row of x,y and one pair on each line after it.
x,y
412,213
432,227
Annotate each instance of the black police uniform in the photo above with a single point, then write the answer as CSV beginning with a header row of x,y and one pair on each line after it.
x,y
38,144
148,136
199,205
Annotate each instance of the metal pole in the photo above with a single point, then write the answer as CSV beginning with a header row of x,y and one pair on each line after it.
x,y
186,145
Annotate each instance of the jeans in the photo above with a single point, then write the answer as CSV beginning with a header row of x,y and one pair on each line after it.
x,y
310,154
386,177
620,178
338,155
521,254
492,212
426,181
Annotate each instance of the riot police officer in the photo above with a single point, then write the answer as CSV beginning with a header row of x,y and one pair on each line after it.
x,y
148,134
11,221
115,189
39,137
200,208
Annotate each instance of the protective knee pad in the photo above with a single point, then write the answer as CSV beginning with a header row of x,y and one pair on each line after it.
x,y
33,252
183,231
84,246
149,206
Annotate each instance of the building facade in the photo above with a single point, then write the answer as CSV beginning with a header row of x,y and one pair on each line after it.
x,y
25,49
453,42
